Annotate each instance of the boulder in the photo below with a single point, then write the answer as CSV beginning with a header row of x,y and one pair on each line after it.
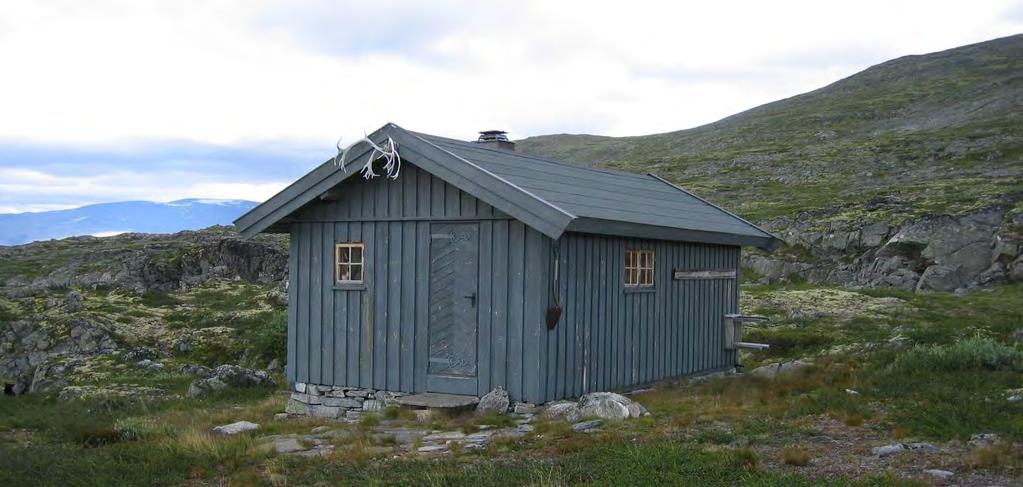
x,y
609,405
196,370
287,445
564,410
888,450
942,278
149,365
604,405
235,428
74,302
939,474
587,426
524,408
774,370
495,401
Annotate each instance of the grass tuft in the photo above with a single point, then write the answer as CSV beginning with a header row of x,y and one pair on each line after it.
x,y
795,456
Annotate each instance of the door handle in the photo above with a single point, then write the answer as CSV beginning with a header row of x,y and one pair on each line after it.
x,y
472,298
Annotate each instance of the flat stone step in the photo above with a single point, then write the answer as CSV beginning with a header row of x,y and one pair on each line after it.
x,y
437,400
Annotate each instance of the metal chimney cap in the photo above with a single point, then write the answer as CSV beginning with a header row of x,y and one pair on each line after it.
x,y
496,139
492,135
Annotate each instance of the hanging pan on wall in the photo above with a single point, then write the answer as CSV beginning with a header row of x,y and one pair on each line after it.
x,y
554,312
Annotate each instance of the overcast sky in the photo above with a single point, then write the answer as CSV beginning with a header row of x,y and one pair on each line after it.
x,y
118,100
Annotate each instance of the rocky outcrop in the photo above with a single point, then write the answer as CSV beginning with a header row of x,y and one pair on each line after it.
x,y
36,355
937,253
142,262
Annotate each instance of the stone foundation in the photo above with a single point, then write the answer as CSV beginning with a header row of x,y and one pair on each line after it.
x,y
337,402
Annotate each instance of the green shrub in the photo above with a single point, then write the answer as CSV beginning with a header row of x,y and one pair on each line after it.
x,y
92,438
977,353
268,340
157,299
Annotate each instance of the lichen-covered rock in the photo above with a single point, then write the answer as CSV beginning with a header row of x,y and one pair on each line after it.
x,y
119,391
200,371
587,426
230,376
773,370
26,345
495,401
297,408
149,365
235,428
609,405
74,302
138,354
563,410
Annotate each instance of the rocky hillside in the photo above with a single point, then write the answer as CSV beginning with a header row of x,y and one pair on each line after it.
x,y
93,312
908,174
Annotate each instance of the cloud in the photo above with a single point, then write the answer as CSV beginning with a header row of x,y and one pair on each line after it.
x,y
38,177
240,92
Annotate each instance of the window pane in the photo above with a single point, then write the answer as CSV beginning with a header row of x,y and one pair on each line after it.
x,y
356,272
342,255
356,255
630,259
344,272
633,277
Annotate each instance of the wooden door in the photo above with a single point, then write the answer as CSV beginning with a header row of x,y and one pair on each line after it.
x,y
454,279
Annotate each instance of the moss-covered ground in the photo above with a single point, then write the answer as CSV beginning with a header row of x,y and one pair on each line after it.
x,y
888,367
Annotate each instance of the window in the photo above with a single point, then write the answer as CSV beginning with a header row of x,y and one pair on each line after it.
x,y
349,263
639,268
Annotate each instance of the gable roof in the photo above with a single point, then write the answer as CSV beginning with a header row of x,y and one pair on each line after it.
x,y
550,196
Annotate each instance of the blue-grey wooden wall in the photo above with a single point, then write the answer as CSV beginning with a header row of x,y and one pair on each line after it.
x,y
377,337
611,338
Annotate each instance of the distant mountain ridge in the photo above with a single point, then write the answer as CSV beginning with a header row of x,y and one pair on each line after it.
x,y
914,136
125,216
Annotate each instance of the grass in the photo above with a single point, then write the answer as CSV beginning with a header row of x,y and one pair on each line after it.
x,y
615,463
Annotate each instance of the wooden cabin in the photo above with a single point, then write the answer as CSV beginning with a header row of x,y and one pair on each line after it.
x,y
479,267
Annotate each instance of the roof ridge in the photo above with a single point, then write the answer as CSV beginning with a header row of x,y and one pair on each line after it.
x,y
537,158
495,176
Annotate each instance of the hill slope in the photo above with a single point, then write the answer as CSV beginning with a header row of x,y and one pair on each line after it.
x,y
120,217
941,132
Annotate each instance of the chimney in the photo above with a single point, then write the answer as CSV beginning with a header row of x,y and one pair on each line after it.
x,y
496,139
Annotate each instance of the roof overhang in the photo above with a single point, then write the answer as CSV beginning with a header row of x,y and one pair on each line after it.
x,y
639,230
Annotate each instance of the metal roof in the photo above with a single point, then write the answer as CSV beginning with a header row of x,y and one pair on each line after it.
x,y
552,197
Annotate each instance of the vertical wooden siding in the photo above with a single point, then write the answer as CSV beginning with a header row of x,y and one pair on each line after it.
x,y
612,338
376,337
